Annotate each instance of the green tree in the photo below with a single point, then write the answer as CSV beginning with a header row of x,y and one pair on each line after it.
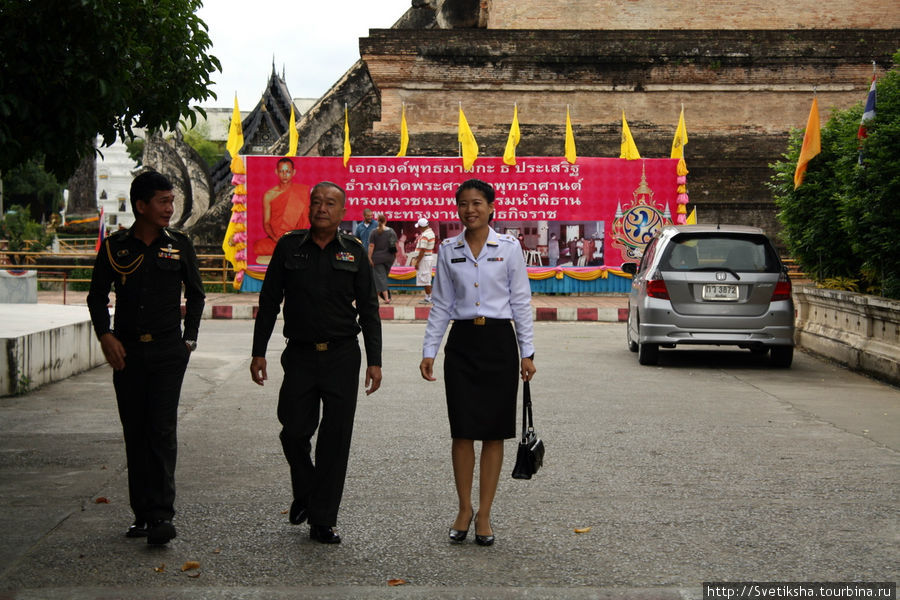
x,y
871,214
844,221
29,185
197,137
73,69
811,215
135,150
22,233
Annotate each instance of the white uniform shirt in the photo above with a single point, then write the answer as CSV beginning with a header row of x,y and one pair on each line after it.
x,y
494,286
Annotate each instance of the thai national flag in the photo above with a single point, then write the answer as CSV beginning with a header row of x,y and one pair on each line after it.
x,y
101,234
868,113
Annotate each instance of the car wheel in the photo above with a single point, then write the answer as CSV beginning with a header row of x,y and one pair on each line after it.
x,y
648,354
632,345
782,356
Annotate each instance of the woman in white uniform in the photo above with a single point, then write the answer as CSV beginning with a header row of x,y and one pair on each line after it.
x,y
481,284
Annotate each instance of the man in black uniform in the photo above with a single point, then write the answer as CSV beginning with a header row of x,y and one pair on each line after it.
x,y
325,280
147,266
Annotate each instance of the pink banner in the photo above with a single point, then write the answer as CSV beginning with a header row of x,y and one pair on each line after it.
x,y
597,211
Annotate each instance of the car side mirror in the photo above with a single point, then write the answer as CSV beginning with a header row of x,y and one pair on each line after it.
x,y
630,268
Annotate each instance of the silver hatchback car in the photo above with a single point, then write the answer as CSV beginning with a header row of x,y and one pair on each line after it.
x,y
710,284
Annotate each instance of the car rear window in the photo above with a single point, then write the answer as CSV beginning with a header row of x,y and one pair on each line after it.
x,y
742,253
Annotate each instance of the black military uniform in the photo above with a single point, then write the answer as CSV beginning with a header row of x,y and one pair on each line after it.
x,y
147,282
324,290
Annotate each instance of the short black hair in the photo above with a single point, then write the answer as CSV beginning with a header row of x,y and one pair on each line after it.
x,y
145,186
285,159
331,185
476,184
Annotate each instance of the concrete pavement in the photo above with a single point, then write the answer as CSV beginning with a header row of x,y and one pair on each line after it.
x,y
712,466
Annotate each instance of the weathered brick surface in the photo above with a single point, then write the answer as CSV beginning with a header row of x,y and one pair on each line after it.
x,y
742,92
692,14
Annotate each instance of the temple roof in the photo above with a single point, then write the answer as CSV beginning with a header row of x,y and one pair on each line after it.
x,y
262,127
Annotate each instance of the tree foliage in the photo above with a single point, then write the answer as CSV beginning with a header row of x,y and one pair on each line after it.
x,y
73,69
843,222
29,185
21,232
197,137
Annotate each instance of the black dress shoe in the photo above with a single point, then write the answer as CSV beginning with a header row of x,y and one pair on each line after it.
x,y
459,535
485,540
323,534
298,513
160,532
138,529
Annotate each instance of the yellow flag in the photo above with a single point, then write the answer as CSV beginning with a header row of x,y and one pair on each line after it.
x,y
629,150
235,132
571,156
292,132
404,133
509,155
681,138
346,137
467,142
692,218
812,143
227,246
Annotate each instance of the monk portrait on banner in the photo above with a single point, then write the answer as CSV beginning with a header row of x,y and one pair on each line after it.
x,y
285,207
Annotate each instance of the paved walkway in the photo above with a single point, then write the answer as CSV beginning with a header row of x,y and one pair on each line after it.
x,y
406,306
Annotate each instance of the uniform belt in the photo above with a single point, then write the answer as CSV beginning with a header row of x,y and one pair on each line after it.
x,y
320,346
482,321
151,337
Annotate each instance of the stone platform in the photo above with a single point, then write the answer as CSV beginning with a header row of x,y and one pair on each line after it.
x,y
44,343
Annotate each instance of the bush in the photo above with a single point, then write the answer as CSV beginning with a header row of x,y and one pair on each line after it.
x,y
22,233
843,222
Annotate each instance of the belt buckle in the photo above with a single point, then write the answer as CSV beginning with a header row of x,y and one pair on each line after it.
x,y
479,320
146,337
322,347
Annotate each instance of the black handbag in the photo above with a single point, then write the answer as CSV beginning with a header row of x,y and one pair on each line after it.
x,y
530,455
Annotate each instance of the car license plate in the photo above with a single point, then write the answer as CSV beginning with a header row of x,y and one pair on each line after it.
x,y
720,292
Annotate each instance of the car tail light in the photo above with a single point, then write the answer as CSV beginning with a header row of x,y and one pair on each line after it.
x,y
656,288
782,289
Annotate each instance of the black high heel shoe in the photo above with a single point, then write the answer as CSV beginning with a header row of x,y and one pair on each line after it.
x,y
459,535
484,540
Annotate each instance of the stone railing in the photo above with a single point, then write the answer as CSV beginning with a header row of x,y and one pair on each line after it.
x,y
857,330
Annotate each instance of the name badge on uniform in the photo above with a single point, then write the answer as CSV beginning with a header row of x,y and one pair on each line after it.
x,y
495,258
345,257
456,260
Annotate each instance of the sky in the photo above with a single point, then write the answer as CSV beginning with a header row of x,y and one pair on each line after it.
x,y
313,42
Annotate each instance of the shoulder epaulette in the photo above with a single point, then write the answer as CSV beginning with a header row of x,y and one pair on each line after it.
x,y
446,241
350,237
505,237
174,233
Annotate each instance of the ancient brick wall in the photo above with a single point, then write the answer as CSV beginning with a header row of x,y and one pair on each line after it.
x,y
743,91
692,14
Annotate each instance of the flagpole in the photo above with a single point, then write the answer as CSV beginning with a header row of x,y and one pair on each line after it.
x,y
459,143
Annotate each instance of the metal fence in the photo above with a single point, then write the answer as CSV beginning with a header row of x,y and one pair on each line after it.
x,y
74,262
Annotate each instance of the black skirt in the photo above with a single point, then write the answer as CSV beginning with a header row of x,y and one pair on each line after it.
x,y
481,378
